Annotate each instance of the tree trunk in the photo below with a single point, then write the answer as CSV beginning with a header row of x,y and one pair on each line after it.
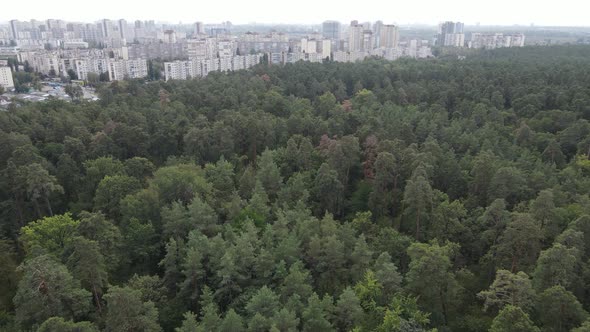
x,y
37,209
443,305
513,268
96,298
48,206
418,225
18,206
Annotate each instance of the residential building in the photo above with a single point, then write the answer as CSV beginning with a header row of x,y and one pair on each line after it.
x,y
309,46
181,70
225,48
355,38
107,28
6,78
367,42
326,48
454,40
14,29
451,34
388,36
199,28
331,30
157,50
495,40
123,29
122,69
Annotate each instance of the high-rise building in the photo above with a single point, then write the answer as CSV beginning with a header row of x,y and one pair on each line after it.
x,y
355,37
107,28
199,28
123,28
377,33
367,42
326,48
121,69
51,24
308,46
331,30
389,36
451,34
14,28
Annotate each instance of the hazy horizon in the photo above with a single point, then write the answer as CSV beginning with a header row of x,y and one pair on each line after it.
x,y
569,13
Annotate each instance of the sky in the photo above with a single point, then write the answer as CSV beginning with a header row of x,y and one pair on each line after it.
x,y
498,12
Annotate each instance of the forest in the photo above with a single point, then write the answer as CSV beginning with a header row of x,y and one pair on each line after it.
x,y
413,195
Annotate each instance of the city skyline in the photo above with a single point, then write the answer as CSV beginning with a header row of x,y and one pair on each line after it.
x,y
503,12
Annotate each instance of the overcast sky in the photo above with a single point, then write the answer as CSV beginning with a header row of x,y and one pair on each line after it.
x,y
498,12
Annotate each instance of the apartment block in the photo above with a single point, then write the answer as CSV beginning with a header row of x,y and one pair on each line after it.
x,y
122,69
6,80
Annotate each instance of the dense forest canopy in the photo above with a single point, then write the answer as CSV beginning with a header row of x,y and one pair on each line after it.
x,y
448,195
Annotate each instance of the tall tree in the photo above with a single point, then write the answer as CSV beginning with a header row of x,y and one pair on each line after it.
x,y
58,324
87,265
556,266
431,278
47,289
559,310
52,234
513,319
509,289
518,247
418,200
39,185
127,312
348,310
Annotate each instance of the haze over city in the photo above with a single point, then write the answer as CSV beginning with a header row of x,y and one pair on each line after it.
x,y
500,12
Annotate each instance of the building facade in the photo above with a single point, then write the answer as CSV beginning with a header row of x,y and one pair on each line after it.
x,y
451,34
331,30
6,80
389,36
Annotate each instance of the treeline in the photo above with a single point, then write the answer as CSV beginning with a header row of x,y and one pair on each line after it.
x,y
448,195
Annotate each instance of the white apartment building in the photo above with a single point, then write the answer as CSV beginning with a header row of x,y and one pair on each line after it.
x,y
388,36
309,46
75,44
251,60
179,70
196,48
341,56
225,48
495,40
121,69
454,39
238,63
182,70
6,78
517,40
225,64
89,65
46,63
96,65
355,38
326,48
208,66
